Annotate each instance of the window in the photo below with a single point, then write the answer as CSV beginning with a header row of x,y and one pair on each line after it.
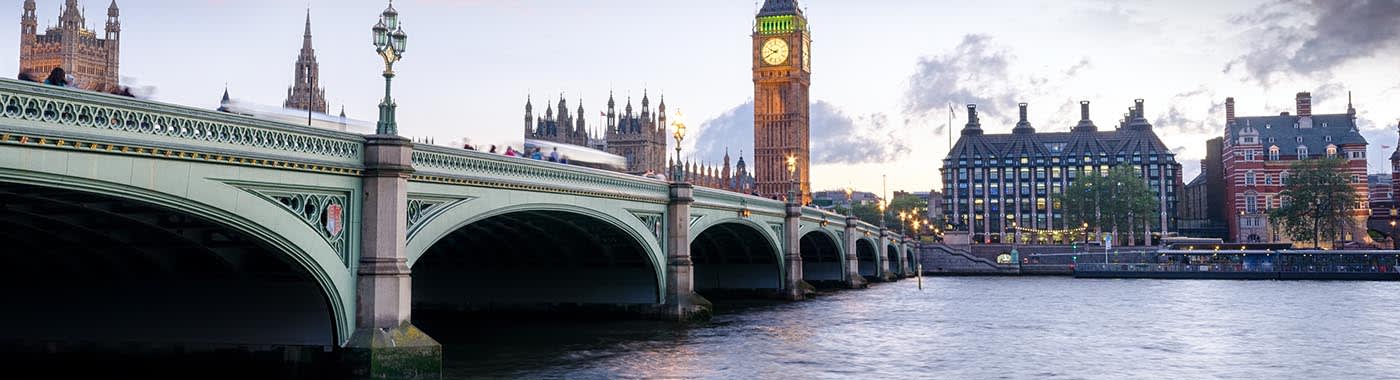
x,y
1268,179
1273,153
1331,151
1327,138
1283,178
1251,204
1357,154
1302,152
1355,178
1249,177
1300,138
1249,155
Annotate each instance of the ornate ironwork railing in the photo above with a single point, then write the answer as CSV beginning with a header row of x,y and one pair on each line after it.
x,y
160,124
451,165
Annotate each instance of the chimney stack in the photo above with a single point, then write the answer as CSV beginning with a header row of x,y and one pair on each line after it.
x,y
973,126
1085,125
1304,104
1229,110
1023,126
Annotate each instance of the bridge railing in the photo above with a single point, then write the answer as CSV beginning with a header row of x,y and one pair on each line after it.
x,y
84,115
729,200
468,167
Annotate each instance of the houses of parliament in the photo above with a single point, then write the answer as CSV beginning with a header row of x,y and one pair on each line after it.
x,y
92,61
638,135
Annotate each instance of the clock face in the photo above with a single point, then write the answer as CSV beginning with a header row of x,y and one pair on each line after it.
x,y
774,51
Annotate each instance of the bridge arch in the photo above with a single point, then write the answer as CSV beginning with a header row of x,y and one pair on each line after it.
x,y
533,257
909,258
154,266
868,258
893,256
823,262
735,257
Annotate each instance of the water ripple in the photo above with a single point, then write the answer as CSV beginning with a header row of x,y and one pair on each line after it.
x,y
982,328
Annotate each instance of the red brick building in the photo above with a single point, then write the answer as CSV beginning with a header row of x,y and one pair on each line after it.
x,y
1259,151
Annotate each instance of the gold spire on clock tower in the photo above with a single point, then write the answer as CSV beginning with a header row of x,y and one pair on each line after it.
x,y
782,76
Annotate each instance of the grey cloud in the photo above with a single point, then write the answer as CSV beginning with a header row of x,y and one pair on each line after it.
x,y
1313,37
973,72
1192,112
836,137
977,71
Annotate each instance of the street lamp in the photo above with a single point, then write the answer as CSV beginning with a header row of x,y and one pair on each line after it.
x,y
882,213
679,135
1392,234
792,178
1084,226
391,42
850,209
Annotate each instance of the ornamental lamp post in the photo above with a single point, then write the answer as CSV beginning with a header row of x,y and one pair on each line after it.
x,y
1392,234
679,135
850,209
882,213
792,178
390,42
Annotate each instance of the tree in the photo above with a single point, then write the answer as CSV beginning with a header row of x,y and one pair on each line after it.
x,y
1317,201
1118,199
871,212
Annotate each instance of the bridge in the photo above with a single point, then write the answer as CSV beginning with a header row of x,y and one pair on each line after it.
x,y
135,221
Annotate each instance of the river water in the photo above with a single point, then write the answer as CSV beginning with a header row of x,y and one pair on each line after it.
x,y
977,328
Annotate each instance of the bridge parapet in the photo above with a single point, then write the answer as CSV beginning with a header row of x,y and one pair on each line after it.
x,y
728,200
473,168
118,123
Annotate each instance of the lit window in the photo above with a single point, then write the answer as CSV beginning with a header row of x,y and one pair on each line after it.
x,y
1273,153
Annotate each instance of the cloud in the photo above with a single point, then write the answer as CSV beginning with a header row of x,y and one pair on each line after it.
x,y
835,136
1314,37
978,71
1191,112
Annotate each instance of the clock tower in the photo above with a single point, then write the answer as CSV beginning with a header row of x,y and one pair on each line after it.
x,y
782,75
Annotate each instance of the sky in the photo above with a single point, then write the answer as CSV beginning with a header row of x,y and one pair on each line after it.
x,y
884,71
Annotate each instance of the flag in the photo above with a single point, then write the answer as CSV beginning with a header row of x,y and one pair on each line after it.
x,y
600,113
1385,146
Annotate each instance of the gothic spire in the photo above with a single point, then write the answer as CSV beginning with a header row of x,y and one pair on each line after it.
x,y
72,16
305,92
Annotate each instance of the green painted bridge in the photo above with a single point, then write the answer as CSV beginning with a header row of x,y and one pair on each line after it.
x,y
131,220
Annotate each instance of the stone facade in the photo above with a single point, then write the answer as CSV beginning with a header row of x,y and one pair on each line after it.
x,y
782,76
638,136
92,61
1259,151
306,93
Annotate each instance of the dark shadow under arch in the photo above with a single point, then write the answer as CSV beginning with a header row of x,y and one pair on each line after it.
x,y
733,259
892,256
97,269
865,253
533,261
822,264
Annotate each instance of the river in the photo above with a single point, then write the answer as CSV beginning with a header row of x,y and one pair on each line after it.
x,y
977,328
